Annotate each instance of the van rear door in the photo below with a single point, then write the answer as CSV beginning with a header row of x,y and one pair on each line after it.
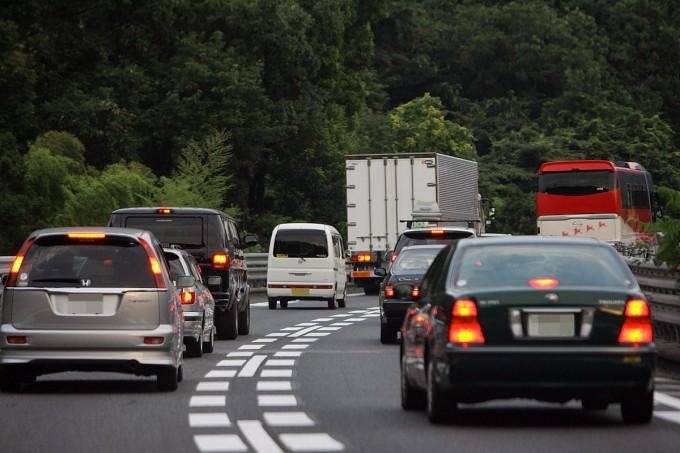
x,y
301,256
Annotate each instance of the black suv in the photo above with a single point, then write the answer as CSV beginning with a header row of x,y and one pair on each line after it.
x,y
212,237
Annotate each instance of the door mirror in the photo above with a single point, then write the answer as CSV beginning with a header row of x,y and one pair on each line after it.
x,y
380,272
214,280
250,240
348,253
3,279
185,281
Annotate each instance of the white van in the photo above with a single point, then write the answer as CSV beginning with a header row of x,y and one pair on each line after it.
x,y
307,262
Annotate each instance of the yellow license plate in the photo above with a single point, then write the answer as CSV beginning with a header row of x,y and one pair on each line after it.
x,y
300,291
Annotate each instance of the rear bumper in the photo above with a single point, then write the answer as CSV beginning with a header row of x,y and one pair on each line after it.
x,y
311,292
553,374
193,324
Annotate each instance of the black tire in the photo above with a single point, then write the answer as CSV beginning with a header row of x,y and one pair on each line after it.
x,y
244,320
180,373
10,381
167,379
194,348
594,404
209,346
411,398
283,303
638,408
227,323
440,408
331,303
372,291
272,303
341,301
388,334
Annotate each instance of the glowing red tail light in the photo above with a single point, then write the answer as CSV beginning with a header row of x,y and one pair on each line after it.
x,y
393,258
465,328
436,232
637,327
188,297
362,258
86,235
220,260
16,339
415,292
389,291
164,211
154,264
18,262
544,282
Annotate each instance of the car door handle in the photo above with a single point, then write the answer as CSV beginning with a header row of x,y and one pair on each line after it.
x,y
299,273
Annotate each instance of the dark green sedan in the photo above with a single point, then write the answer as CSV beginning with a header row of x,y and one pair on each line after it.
x,y
551,319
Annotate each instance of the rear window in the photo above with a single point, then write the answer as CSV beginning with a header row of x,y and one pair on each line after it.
x,y
409,238
184,231
517,264
109,263
415,261
576,182
175,264
300,244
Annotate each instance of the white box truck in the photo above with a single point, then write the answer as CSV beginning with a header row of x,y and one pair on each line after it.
x,y
385,190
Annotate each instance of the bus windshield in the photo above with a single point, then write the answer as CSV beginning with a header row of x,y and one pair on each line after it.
x,y
574,183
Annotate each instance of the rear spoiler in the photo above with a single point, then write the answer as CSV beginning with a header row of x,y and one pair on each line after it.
x,y
470,222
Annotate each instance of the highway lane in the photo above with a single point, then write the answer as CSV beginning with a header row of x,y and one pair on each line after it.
x,y
337,386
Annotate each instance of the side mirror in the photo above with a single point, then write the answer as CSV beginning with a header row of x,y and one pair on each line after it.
x,y
3,279
380,272
185,281
214,280
348,253
250,240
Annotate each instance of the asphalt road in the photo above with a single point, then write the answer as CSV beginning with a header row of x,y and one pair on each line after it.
x,y
306,379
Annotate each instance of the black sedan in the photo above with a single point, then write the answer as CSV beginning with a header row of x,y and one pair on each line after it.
x,y
401,285
551,319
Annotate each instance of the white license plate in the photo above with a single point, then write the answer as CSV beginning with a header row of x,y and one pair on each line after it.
x,y
85,305
550,325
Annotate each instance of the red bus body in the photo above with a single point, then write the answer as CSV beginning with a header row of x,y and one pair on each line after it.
x,y
594,198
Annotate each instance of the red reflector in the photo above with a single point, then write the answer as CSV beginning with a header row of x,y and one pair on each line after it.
x,y
637,308
86,235
164,211
464,308
466,332
16,264
389,291
17,340
188,297
220,261
153,340
544,282
636,332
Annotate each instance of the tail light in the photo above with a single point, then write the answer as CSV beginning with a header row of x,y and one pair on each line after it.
x,y
18,262
362,258
153,340
220,260
188,297
393,258
544,282
415,292
86,235
154,264
16,339
637,326
164,211
389,290
436,232
465,328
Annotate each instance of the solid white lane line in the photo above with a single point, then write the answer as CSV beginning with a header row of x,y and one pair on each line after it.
x,y
274,386
277,334
358,311
209,420
214,386
251,346
218,374
311,442
276,400
208,401
341,315
305,340
303,331
671,416
276,373
288,354
257,437
371,315
323,319
667,400
295,346
330,328
287,419
355,319
251,367
275,362
232,362
219,443
292,328
306,324
264,340
317,334
341,324
240,354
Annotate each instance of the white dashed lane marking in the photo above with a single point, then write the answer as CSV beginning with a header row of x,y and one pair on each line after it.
x,y
277,334
286,419
276,400
276,373
329,328
275,362
264,340
295,346
288,354
208,401
341,315
342,324
251,367
322,319
232,362
304,340
257,437
289,329
218,374
240,354
311,442
317,334
274,386
251,346
215,386
355,319
209,420
303,331
306,324
219,443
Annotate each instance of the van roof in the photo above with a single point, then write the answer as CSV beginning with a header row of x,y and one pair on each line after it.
x,y
305,226
175,211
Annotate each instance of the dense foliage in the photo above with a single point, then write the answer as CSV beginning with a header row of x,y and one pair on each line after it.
x,y
251,105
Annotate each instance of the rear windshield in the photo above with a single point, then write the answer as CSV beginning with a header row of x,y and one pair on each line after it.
x,y
300,244
410,238
175,264
415,261
109,263
576,182
184,231
517,264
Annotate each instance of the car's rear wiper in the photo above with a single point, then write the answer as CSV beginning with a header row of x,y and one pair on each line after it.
x,y
57,280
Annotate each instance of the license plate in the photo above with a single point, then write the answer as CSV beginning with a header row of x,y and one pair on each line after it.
x,y
300,291
85,307
551,325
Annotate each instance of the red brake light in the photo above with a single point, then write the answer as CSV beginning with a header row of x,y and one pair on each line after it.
x,y
637,327
465,308
415,292
84,235
164,211
389,291
153,340
220,260
362,258
436,232
155,265
18,262
393,257
637,308
16,339
188,297
544,282
465,328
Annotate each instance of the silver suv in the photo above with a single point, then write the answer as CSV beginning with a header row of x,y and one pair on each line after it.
x,y
95,299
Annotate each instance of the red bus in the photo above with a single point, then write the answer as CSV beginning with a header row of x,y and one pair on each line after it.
x,y
595,198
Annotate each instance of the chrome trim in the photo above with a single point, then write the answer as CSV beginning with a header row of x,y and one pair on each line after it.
x,y
87,290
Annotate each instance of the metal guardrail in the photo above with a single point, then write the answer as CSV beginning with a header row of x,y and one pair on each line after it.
x,y
257,271
661,285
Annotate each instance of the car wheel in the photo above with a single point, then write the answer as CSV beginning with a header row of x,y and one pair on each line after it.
x,y
439,408
272,303
284,304
371,291
331,303
10,381
194,348
594,404
226,322
638,407
167,379
411,397
388,335
341,301
209,346
244,320
180,373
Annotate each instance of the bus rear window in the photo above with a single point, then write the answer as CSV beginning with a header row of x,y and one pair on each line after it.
x,y
576,182
300,244
184,231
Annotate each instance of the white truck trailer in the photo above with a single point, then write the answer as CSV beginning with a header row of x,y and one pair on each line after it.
x,y
384,191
